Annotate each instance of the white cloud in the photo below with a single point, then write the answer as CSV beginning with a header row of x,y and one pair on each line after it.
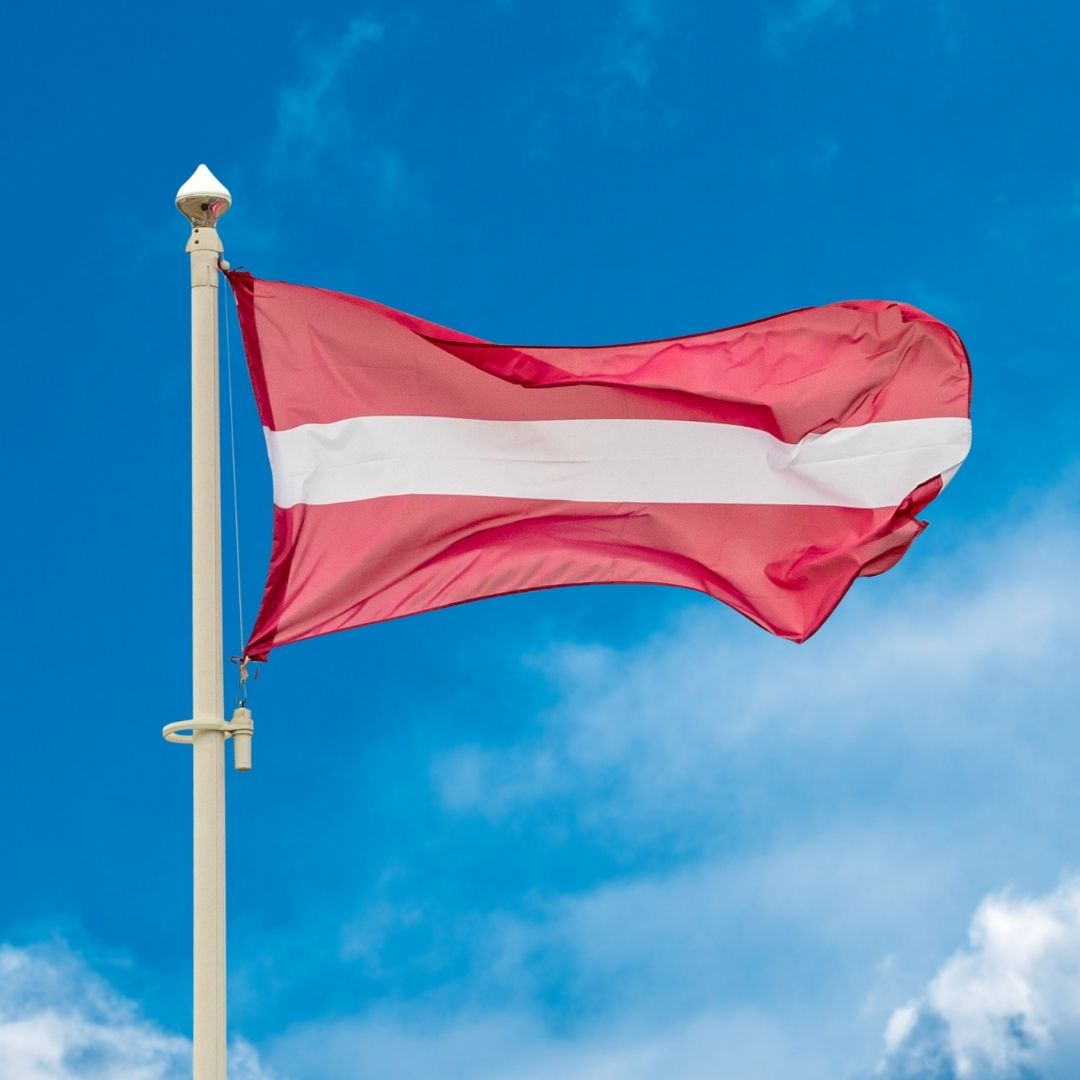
x,y
61,1021
1007,1005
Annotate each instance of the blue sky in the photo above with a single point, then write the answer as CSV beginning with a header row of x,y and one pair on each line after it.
x,y
593,833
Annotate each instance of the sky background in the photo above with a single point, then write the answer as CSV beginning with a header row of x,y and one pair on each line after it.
x,y
594,834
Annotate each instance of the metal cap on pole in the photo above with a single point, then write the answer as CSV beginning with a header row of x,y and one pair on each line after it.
x,y
203,198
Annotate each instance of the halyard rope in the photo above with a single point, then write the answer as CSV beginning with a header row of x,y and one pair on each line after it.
x,y
235,490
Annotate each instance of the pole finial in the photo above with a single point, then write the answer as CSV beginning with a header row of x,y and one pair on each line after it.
x,y
203,198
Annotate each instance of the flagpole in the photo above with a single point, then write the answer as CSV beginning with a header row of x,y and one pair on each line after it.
x,y
202,200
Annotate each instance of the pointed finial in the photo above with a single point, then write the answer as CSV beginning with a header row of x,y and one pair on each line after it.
x,y
203,198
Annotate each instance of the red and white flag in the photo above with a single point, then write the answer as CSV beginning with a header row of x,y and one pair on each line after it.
x,y
768,464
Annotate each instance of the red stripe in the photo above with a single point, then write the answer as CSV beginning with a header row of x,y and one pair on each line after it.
x,y
352,564
318,357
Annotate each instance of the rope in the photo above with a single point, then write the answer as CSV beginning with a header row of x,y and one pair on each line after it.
x,y
235,496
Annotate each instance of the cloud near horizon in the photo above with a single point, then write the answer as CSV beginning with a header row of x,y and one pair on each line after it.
x,y
1006,1006
60,1020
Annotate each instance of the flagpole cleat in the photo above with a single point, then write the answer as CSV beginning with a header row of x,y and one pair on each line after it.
x,y
240,729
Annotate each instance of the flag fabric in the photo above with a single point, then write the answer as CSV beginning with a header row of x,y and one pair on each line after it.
x,y
768,464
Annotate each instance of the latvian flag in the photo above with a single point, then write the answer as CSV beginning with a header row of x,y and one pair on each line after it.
x,y
768,464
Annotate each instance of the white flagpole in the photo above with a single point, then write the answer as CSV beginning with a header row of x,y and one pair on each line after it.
x,y
202,200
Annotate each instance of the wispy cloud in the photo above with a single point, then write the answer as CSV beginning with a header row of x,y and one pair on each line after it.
x,y
671,727
810,830
326,136
59,1020
500,1045
608,85
310,118
1005,1007
789,27
658,962
817,820
628,55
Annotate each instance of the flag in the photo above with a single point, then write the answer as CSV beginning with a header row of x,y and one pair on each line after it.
x,y
767,464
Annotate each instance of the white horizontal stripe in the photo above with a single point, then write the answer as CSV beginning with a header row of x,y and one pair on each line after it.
x,y
629,461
